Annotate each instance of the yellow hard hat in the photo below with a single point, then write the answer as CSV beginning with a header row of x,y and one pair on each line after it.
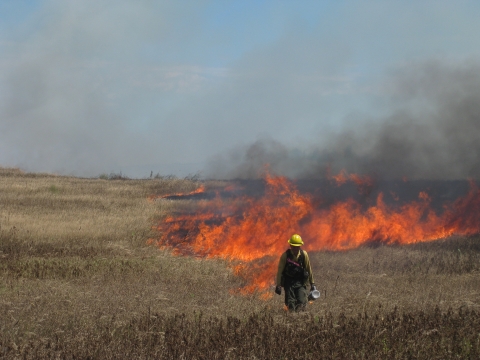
x,y
295,240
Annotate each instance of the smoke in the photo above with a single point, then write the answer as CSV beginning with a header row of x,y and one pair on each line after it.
x,y
90,87
77,95
431,133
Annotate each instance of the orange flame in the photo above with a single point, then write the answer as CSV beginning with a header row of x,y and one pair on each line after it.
x,y
341,178
364,183
253,232
201,189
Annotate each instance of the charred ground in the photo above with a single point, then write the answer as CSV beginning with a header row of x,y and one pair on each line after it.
x,y
327,191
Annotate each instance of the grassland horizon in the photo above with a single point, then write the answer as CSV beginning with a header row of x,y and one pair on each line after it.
x,y
78,279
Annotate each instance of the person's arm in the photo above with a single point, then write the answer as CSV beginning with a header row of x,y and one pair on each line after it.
x,y
308,267
281,267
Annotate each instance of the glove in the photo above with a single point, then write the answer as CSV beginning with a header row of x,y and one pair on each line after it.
x,y
278,290
313,287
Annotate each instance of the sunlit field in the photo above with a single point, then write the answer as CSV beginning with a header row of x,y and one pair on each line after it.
x,y
81,277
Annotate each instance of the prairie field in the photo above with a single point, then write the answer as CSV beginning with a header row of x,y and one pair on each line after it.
x,y
79,278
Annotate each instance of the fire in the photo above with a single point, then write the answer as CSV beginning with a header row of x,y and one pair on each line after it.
x,y
252,232
199,190
364,183
341,178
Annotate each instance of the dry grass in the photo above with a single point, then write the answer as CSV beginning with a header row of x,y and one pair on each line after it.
x,y
403,277
77,279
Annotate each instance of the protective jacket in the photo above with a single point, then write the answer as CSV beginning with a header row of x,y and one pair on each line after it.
x,y
292,266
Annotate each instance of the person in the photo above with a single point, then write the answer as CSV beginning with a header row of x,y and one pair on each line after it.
x,y
294,273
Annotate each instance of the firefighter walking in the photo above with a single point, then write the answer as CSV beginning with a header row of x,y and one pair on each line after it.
x,y
294,273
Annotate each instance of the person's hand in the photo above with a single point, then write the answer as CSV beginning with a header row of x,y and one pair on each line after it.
x,y
278,290
313,287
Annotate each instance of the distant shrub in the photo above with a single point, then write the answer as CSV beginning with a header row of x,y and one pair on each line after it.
x,y
113,176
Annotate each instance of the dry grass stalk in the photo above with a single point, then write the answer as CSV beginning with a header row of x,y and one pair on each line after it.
x,y
77,278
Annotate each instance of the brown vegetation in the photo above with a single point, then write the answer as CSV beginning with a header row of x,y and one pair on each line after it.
x,y
78,280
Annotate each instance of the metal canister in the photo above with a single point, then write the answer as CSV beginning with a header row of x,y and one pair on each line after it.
x,y
314,295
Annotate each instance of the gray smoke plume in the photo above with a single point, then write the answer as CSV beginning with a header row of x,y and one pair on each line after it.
x,y
432,132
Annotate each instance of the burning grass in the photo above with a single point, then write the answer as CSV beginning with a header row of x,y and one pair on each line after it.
x,y
77,279
251,230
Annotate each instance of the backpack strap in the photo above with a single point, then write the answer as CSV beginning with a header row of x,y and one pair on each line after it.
x,y
301,258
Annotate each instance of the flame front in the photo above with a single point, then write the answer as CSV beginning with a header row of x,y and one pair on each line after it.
x,y
253,232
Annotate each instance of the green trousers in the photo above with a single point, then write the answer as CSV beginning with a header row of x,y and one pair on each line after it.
x,y
295,295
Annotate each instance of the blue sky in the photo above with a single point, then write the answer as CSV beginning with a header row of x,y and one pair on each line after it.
x,y
106,86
